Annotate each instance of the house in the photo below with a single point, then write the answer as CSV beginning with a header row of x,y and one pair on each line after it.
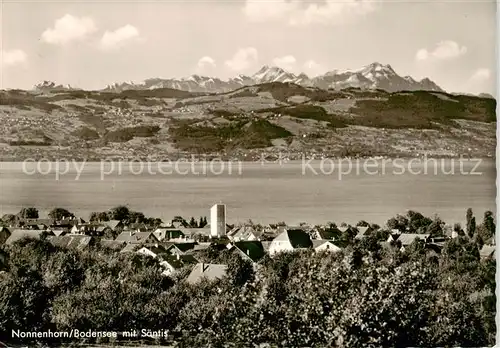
x,y
363,231
348,230
243,233
78,242
69,222
115,225
60,230
252,251
172,263
208,271
137,227
180,248
38,222
199,247
137,237
179,224
153,251
82,228
4,234
191,233
330,233
274,229
102,230
405,239
290,240
325,245
20,234
266,244
487,252
130,248
41,227
166,234
112,244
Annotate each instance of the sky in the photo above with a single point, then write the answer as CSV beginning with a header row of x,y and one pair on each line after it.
x,y
95,43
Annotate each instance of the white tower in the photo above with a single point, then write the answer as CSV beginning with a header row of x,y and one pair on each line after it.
x,y
218,220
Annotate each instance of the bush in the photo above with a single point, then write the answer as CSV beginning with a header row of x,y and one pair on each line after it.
x,y
125,134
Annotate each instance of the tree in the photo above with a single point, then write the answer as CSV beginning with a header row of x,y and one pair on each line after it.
x,y
435,229
103,216
417,222
60,214
192,223
471,231
239,271
362,223
399,222
488,226
120,213
93,216
28,213
457,228
134,217
470,223
370,243
10,219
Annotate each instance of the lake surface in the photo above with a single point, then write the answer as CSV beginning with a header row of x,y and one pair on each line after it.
x,y
292,192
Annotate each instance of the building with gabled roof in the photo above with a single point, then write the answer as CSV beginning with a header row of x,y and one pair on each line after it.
x,y
113,224
77,242
290,240
166,234
153,250
252,251
137,237
172,263
208,271
363,231
112,244
243,233
325,245
20,234
180,248
130,247
408,238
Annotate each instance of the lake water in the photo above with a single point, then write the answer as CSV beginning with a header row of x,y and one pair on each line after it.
x,y
292,192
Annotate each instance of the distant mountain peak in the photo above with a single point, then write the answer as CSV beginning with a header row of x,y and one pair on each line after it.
x,y
372,76
50,85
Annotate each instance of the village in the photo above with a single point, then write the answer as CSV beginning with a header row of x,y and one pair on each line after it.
x,y
178,243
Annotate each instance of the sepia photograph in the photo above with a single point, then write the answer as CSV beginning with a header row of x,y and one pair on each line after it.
x,y
248,173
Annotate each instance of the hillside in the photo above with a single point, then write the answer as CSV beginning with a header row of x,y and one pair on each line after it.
x,y
272,117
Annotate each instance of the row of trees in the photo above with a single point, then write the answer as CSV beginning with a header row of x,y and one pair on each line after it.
x,y
363,296
125,215
414,222
121,213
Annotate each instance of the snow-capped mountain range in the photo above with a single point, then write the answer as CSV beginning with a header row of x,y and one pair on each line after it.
x,y
373,76
49,85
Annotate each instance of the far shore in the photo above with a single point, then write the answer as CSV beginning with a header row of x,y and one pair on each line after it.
x,y
188,159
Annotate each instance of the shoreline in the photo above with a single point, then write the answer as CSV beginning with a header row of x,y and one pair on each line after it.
x,y
223,159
